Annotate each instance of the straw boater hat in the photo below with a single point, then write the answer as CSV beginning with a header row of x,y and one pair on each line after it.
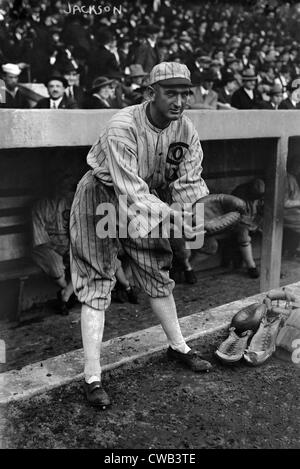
x,y
12,69
249,75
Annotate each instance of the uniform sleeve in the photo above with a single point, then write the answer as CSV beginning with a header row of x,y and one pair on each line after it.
x,y
189,186
292,192
123,167
39,232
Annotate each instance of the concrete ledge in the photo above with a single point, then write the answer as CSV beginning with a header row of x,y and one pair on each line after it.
x,y
63,369
34,128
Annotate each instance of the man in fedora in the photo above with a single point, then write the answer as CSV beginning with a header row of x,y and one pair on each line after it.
x,y
136,74
133,93
233,65
246,97
276,96
203,96
225,92
71,73
56,86
185,46
104,60
102,91
147,53
11,96
293,101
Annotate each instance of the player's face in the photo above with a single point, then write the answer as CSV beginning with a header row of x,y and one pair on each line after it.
x,y
170,102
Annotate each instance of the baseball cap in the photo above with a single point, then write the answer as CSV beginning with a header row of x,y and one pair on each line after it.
x,y
170,74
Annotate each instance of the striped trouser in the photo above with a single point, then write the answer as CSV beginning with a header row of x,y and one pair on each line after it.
x,y
94,258
54,262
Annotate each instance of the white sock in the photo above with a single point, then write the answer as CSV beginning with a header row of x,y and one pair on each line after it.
x,y
165,309
92,327
92,379
183,348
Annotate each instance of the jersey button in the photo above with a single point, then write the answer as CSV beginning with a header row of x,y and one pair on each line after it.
x,y
160,153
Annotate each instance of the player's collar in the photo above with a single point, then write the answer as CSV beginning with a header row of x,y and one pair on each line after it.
x,y
150,121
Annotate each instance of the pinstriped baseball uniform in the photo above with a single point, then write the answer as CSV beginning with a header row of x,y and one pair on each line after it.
x,y
50,231
132,157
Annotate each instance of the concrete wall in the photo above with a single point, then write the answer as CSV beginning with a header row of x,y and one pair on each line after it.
x,y
43,128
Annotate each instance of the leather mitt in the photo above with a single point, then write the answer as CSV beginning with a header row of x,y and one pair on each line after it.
x,y
221,211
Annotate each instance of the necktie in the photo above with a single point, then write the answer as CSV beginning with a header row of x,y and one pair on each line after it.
x,y
53,105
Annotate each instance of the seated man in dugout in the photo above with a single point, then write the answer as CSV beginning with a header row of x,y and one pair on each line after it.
x,y
291,224
252,193
51,243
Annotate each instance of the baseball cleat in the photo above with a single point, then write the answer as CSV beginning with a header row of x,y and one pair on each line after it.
x,y
253,272
192,359
96,395
190,276
233,348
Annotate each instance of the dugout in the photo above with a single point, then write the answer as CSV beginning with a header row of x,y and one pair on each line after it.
x,y
237,145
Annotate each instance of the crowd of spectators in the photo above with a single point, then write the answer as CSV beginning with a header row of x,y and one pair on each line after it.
x,y
242,55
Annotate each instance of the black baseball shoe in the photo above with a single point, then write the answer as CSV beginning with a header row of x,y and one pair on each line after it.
x,y
132,295
192,359
62,306
253,272
190,276
96,395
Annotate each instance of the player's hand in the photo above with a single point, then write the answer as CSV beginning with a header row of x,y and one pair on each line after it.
x,y
183,225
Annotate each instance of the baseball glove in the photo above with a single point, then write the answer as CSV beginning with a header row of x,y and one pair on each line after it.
x,y
221,211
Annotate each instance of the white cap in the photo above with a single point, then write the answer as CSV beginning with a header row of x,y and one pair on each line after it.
x,y
12,69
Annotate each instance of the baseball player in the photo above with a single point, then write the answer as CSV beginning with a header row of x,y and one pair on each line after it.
x,y
143,147
50,233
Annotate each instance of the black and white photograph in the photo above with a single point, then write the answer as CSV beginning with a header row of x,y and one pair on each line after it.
x,y
149,227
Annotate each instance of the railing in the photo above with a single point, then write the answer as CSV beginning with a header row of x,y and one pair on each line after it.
x,y
46,128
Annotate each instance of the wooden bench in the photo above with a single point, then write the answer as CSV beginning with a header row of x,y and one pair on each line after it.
x,y
19,270
15,242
